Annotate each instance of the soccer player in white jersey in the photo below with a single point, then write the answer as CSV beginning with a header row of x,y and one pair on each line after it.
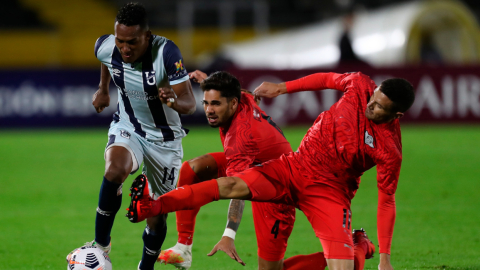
x,y
153,90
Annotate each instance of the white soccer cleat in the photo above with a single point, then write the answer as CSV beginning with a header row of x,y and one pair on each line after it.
x,y
94,244
179,256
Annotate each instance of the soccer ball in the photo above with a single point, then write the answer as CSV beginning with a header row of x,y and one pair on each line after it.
x,y
89,258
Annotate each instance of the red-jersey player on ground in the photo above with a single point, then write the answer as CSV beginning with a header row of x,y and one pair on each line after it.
x,y
249,137
360,131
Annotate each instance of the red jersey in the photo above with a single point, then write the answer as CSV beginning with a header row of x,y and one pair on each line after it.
x,y
251,138
342,143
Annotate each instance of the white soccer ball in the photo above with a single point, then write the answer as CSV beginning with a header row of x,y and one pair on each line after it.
x,y
89,258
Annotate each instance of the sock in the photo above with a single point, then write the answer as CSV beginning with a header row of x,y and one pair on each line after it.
x,y
186,218
359,259
109,202
186,197
152,245
310,261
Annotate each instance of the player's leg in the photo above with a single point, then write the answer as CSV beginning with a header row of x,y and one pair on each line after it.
x,y
364,248
328,211
195,171
265,184
162,165
120,160
310,261
273,226
153,238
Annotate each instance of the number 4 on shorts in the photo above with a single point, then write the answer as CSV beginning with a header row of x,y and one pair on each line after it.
x,y
276,228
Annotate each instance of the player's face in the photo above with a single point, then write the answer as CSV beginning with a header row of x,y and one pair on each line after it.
x,y
379,108
131,41
218,109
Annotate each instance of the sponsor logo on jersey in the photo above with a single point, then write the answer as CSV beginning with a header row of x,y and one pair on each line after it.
x,y
179,65
125,134
116,72
369,139
139,95
150,77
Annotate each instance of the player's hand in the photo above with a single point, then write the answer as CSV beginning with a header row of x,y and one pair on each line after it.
x,y
270,90
227,245
385,262
197,76
256,98
100,100
167,96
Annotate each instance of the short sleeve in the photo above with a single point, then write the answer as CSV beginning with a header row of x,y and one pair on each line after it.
x,y
99,43
174,66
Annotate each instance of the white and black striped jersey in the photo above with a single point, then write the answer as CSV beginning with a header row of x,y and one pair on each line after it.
x,y
138,103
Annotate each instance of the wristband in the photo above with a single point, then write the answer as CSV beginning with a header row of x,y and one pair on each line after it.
x,y
230,233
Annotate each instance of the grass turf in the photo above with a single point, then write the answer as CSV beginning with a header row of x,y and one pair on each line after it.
x,y
50,182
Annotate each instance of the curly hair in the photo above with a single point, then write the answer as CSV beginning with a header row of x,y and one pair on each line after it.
x,y
132,14
226,83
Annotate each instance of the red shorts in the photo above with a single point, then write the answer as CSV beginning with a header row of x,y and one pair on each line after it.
x,y
273,222
326,207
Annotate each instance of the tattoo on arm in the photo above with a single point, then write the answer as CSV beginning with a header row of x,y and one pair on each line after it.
x,y
235,212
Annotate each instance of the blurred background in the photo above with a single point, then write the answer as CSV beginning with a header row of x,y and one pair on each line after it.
x,y
52,140
48,71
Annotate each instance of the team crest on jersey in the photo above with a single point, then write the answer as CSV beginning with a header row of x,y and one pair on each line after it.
x,y
369,139
150,77
179,65
256,115
125,134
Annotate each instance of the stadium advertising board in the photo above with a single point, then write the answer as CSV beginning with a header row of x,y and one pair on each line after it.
x,y
443,95
62,98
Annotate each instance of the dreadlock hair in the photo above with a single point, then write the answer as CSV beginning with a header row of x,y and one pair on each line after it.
x,y
133,14
226,83
400,92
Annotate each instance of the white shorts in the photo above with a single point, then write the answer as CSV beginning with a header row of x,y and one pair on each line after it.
x,y
161,160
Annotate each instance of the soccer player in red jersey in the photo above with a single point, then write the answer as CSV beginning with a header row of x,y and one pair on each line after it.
x,y
249,137
358,132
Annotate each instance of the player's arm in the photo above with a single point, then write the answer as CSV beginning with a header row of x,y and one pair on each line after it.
x,y
388,173
178,97
386,214
227,244
101,98
317,81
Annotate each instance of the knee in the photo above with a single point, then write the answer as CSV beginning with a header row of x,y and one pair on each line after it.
x,y
116,173
233,188
157,223
204,167
269,265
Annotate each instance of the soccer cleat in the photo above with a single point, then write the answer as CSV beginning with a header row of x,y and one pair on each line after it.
x,y
179,256
92,244
360,238
141,202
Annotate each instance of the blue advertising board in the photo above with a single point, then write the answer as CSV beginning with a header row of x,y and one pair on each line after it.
x,y
59,98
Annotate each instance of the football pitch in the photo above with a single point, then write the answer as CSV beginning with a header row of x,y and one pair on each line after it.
x,y
51,179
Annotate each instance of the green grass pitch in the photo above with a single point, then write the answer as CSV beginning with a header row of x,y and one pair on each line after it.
x,y
50,182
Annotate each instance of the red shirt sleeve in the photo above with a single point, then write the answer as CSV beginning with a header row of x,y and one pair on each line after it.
x,y
386,214
317,81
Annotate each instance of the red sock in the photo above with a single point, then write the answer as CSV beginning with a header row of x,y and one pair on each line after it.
x,y
187,197
301,262
359,259
186,218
